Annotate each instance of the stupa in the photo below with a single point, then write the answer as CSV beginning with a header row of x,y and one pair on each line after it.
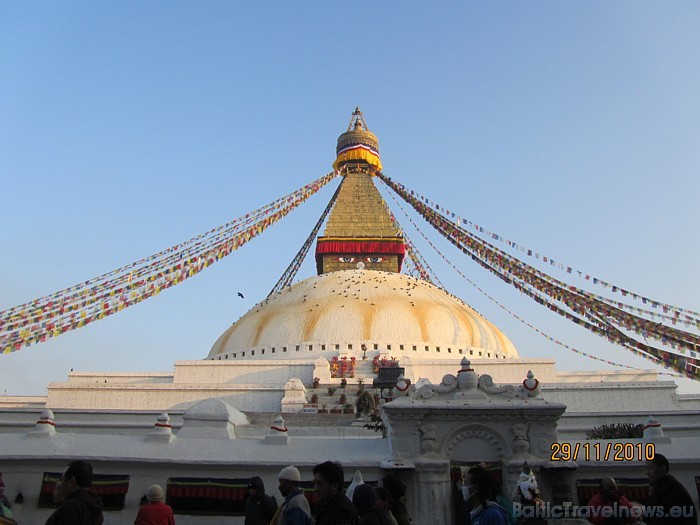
x,y
359,298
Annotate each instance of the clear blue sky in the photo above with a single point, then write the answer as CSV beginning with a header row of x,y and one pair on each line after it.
x,y
127,127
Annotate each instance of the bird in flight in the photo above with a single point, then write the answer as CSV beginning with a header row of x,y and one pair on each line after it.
x,y
240,295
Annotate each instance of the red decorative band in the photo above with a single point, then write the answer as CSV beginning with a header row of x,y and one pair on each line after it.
x,y
45,422
533,388
164,425
279,429
360,247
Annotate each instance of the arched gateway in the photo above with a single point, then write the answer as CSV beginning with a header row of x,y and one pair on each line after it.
x,y
467,420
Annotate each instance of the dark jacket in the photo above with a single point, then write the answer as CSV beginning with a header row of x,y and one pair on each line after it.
x,y
398,509
259,509
372,517
364,500
397,504
337,511
668,492
80,508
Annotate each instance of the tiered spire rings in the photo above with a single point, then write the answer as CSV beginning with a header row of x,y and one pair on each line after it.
x,y
357,144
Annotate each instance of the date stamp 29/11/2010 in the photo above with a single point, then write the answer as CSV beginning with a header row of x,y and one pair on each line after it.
x,y
618,451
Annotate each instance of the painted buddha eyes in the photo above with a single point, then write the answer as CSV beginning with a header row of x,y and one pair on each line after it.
x,y
353,259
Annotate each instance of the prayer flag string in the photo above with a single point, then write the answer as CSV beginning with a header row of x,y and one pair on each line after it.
x,y
293,268
659,309
575,304
512,314
95,299
416,260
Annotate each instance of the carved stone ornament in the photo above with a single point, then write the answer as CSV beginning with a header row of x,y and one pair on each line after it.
x,y
531,384
402,387
529,388
428,435
521,445
426,390
466,376
487,385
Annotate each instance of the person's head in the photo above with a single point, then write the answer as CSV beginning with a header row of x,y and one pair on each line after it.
x,y
289,479
155,493
328,479
657,467
256,487
479,486
395,486
77,476
364,498
609,489
383,498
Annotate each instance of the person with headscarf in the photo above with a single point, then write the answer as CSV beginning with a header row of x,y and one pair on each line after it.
x,y
259,507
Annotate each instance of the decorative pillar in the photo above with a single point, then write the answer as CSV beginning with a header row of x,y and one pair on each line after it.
x,y
294,398
560,483
322,370
277,435
45,427
431,490
162,430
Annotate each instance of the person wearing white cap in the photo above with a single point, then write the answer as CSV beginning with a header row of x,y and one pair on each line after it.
x,y
295,508
155,512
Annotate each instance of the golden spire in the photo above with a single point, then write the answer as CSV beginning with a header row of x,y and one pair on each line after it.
x,y
359,228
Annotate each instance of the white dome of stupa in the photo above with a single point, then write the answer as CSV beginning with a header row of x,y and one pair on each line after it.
x,y
349,311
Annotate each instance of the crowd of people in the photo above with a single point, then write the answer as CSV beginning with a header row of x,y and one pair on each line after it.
x,y
668,502
666,494
77,504
385,505
366,504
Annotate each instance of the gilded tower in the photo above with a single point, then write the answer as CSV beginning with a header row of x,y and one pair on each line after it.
x,y
360,231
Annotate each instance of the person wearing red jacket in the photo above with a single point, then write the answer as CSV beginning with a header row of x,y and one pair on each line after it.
x,y
155,512
604,507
